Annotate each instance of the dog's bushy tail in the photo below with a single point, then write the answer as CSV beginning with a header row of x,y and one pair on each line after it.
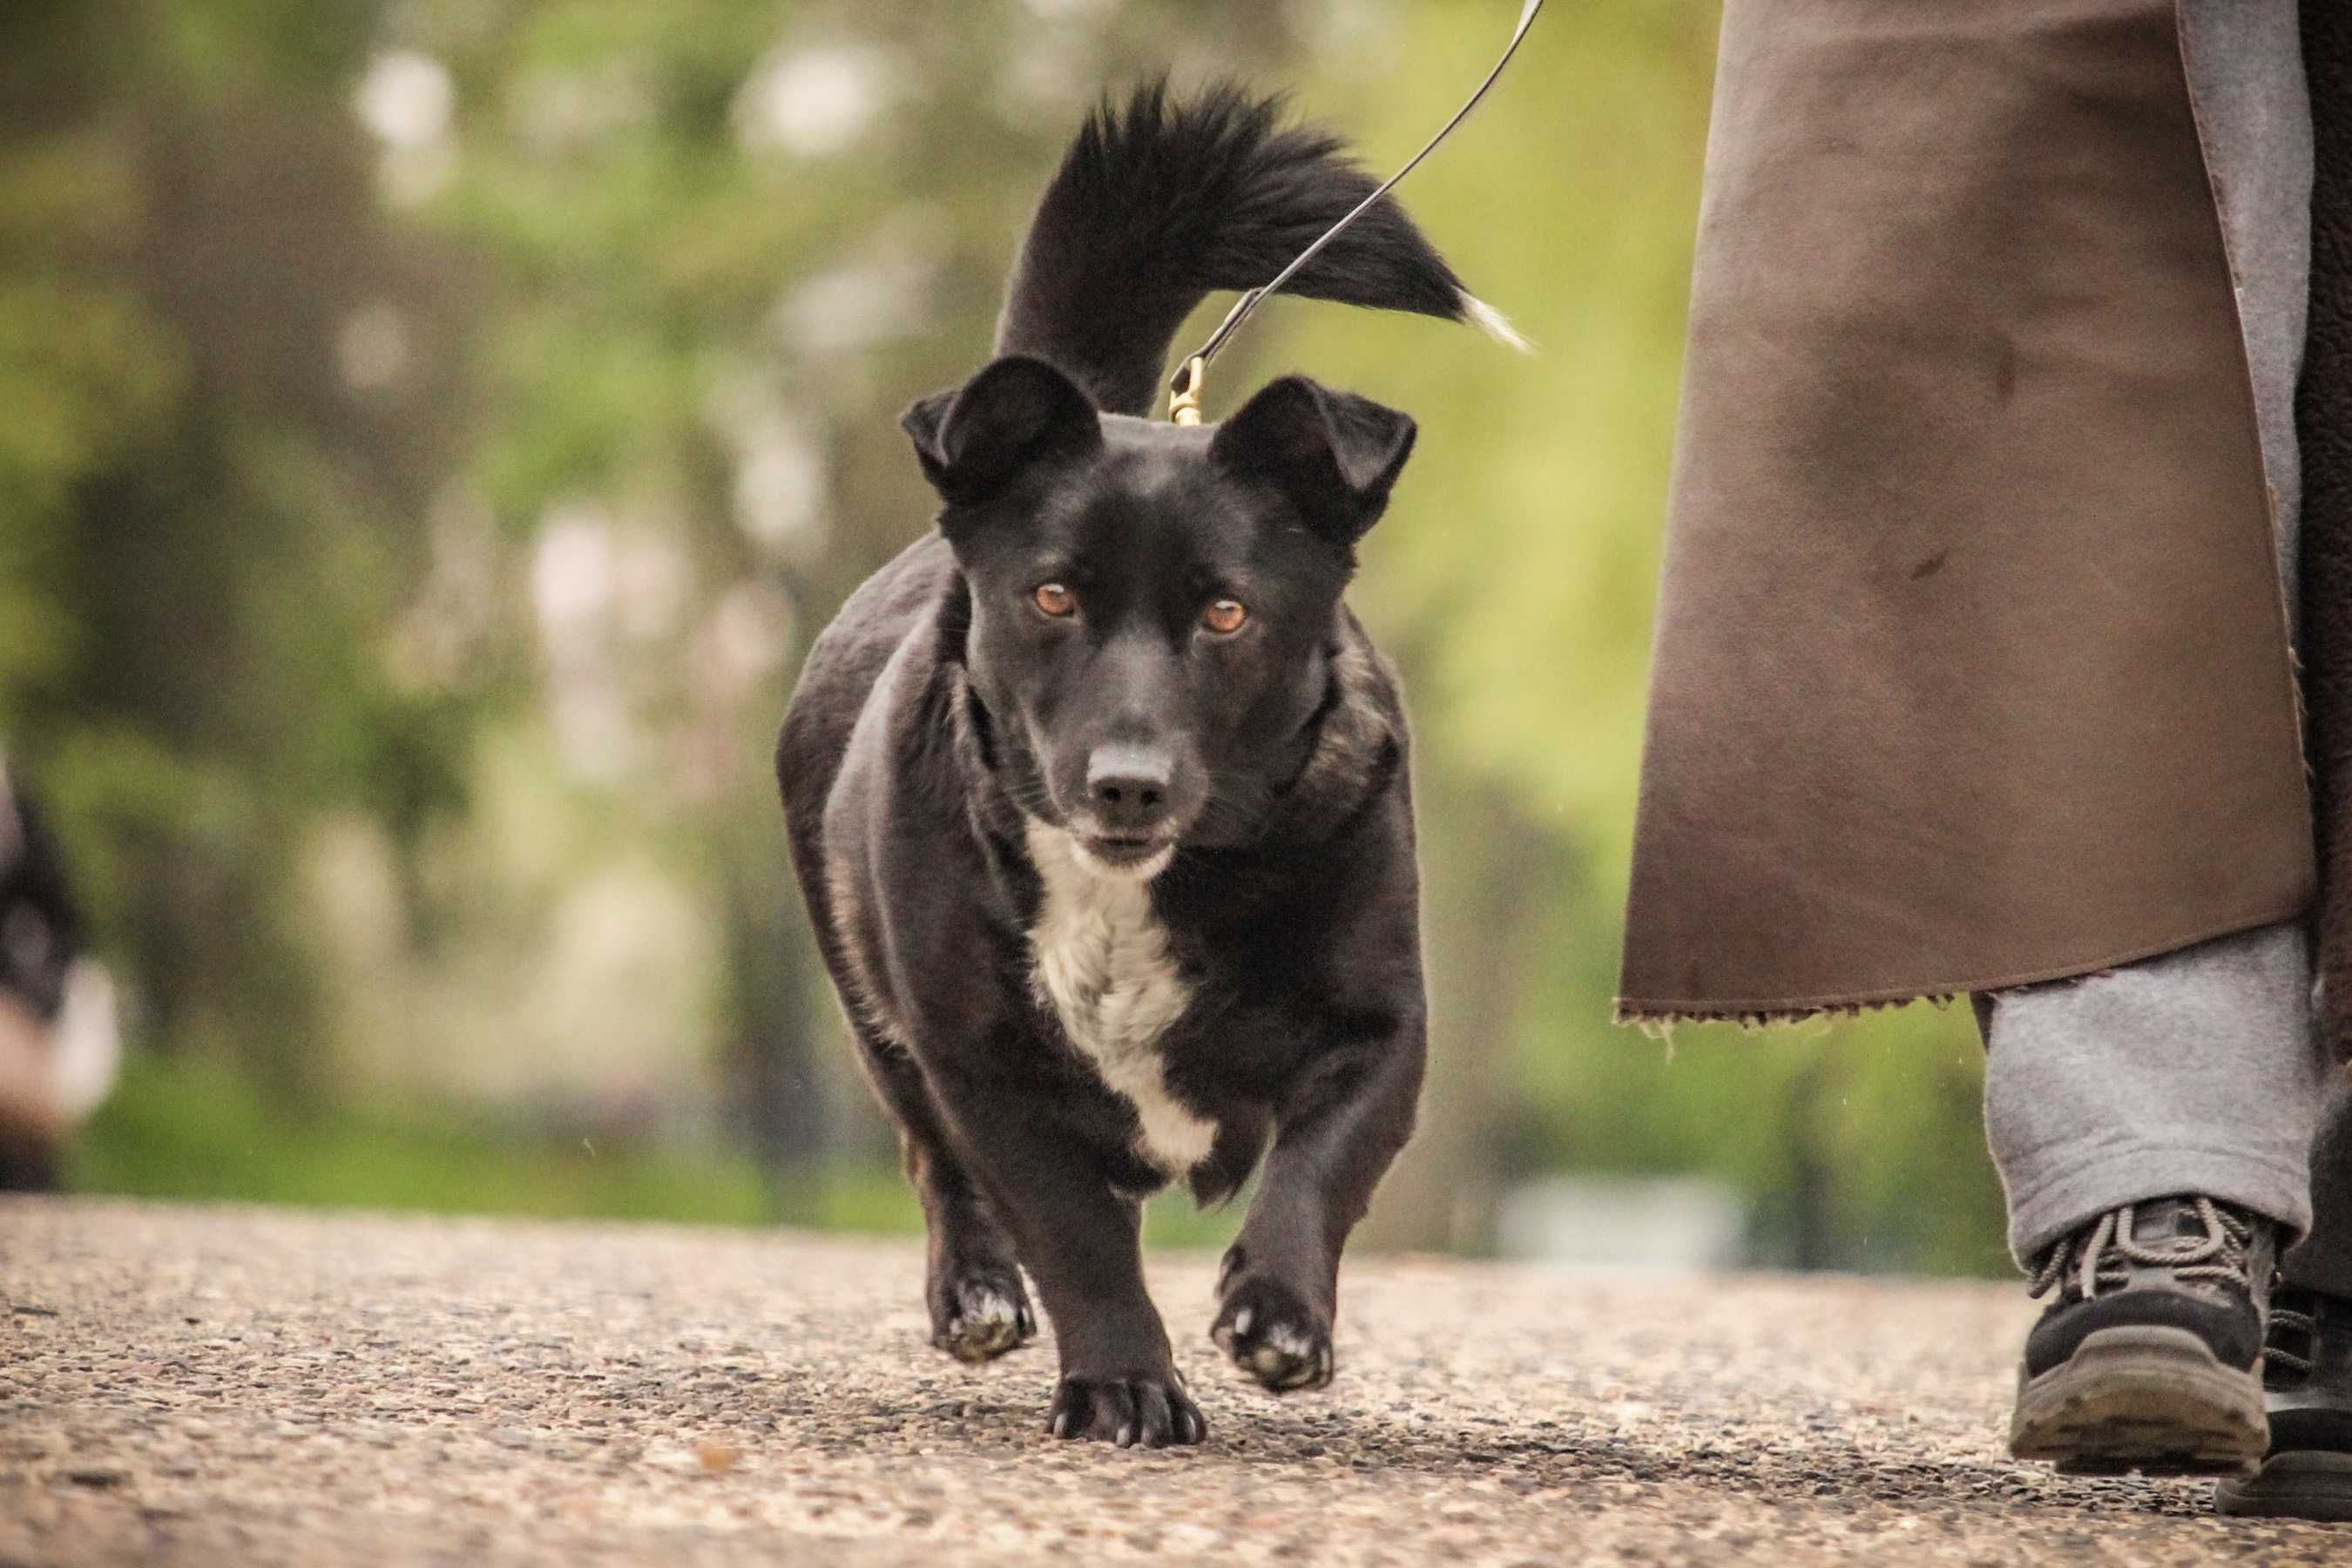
x,y
1158,204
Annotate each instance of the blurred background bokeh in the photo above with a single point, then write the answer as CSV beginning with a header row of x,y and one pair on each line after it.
x,y
431,431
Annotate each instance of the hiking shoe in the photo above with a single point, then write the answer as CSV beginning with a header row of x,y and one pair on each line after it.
x,y
2307,1386
2145,1360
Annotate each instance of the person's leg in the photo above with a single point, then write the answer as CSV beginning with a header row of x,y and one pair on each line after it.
x,y
2193,1077
2307,1355
2324,1261
2196,1072
2153,1126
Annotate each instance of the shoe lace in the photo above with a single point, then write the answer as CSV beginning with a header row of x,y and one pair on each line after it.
x,y
2101,1255
2294,1323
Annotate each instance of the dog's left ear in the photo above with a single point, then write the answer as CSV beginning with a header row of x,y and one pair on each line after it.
x,y
1334,454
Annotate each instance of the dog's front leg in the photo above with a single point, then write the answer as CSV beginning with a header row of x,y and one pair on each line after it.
x,y
1081,1240
1278,1291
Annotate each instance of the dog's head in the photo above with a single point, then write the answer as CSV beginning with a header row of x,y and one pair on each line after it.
x,y
1153,608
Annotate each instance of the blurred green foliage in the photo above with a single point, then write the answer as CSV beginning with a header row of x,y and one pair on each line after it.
x,y
179,1129
437,427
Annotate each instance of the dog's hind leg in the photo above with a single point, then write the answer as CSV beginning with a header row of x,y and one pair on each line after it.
x,y
1278,1292
972,1277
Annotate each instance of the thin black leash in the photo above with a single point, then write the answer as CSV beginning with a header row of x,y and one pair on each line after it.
x,y
1184,391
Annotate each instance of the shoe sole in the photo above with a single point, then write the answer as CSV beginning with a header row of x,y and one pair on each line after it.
x,y
2155,1400
2298,1484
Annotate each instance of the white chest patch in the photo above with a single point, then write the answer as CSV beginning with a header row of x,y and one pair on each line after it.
x,y
1103,966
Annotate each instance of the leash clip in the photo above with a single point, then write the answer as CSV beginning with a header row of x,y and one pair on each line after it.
x,y
1184,398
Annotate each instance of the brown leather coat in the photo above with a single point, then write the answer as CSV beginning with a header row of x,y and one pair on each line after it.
x,y
1972,668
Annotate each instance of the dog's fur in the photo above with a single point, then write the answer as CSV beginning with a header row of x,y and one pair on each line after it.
x,y
1111,897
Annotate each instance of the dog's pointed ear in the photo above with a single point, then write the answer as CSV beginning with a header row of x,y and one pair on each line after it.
x,y
1017,411
1334,454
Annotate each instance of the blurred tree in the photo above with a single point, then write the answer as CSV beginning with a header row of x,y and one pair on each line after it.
x,y
225,410
458,417
734,241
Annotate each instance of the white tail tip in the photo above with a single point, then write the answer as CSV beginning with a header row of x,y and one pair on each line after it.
x,y
1494,323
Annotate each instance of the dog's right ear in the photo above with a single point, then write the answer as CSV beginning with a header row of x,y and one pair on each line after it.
x,y
1016,412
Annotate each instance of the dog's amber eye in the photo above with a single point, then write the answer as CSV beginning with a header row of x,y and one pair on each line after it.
x,y
1055,600
1225,617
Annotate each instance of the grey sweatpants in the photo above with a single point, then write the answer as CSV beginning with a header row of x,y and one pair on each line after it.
x,y
2199,1071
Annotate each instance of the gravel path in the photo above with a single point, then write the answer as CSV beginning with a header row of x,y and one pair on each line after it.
x,y
217,1385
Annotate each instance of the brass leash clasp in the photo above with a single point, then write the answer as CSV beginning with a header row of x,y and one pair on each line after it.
x,y
1184,398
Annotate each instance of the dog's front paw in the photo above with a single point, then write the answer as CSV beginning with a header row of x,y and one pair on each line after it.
x,y
1151,1409
980,1313
1274,1335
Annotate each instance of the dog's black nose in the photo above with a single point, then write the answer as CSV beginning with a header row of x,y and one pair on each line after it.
x,y
1129,786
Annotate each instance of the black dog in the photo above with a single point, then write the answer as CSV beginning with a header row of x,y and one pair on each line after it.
x,y
57,1004
1097,793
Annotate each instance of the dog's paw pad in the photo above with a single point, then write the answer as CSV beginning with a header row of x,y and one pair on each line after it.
x,y
1151,1410
986,1316
1274,1336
